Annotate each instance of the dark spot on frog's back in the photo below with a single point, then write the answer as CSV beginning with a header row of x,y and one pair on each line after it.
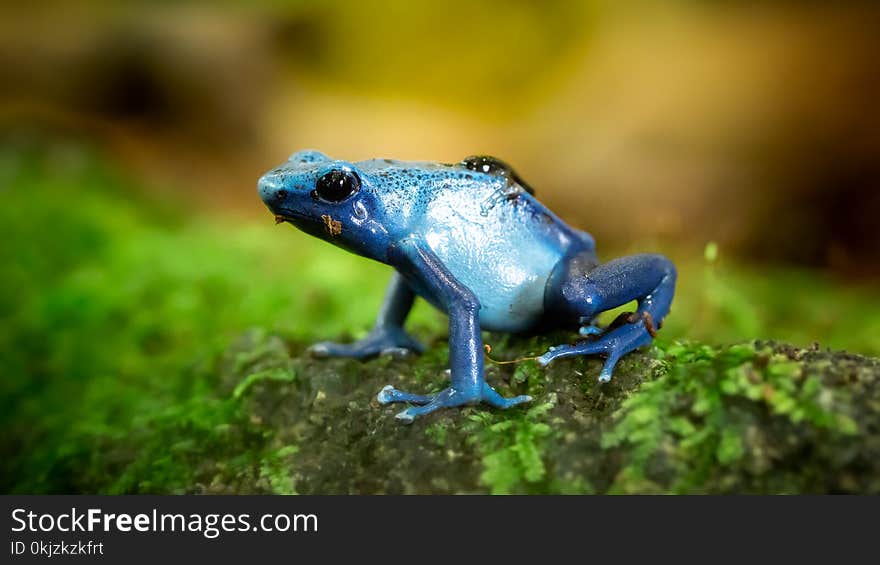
x,y
493,166
525,186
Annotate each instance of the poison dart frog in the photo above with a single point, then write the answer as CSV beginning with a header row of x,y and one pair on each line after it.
x,y
472,240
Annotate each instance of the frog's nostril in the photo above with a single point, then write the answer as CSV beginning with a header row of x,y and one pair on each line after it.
x,y
271,189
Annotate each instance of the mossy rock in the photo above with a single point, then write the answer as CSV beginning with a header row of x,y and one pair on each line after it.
x,y
758,417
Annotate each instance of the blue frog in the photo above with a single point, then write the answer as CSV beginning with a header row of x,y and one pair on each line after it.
x,y
471,239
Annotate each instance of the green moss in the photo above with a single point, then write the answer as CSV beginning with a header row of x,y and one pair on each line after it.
x,y
275,374
512,447
703,422
275,469
436,432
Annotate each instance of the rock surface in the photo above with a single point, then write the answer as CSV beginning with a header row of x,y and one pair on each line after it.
x,y
758,417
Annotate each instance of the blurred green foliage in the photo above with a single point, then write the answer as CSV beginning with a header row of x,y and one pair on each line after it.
x,y
115,309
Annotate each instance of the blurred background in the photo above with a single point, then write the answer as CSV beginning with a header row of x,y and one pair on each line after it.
x,y
740,138
755,126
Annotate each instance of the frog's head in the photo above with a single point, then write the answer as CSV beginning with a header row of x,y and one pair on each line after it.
x,y
326,198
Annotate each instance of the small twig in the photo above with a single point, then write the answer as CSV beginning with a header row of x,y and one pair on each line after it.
x,y
488,349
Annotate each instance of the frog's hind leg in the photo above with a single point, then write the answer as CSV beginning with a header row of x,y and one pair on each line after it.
x,y
648,279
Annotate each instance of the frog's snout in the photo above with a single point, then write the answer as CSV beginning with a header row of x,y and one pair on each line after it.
x,y
272,190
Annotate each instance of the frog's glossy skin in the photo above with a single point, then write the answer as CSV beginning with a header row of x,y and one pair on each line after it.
x,y
472,240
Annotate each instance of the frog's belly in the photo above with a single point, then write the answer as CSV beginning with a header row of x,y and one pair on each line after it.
x,y
508,277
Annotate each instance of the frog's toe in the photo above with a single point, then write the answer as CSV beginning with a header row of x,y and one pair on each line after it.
x,y
613,344
491,397
554,353
394,342
608,368
410,344
356,350
446,398
389,394
590,330
405,417
385,395
398,352
385,341
323,349
409,415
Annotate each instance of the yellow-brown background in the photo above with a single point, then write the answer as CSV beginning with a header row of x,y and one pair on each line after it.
x,y
752,124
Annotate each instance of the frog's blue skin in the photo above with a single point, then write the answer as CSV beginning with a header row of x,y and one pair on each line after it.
x,y
480,248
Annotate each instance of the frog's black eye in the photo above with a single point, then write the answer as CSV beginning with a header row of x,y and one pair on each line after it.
x,y
335,186
492,166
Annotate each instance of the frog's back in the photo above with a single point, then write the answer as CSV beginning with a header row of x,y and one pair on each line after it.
x,y
496,239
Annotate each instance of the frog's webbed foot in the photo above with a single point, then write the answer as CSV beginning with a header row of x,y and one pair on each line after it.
x,y
614,343
446,398
587,290
381,341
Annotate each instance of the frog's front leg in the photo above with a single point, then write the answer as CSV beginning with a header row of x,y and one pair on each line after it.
x,y
416,260
649,279
387,336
